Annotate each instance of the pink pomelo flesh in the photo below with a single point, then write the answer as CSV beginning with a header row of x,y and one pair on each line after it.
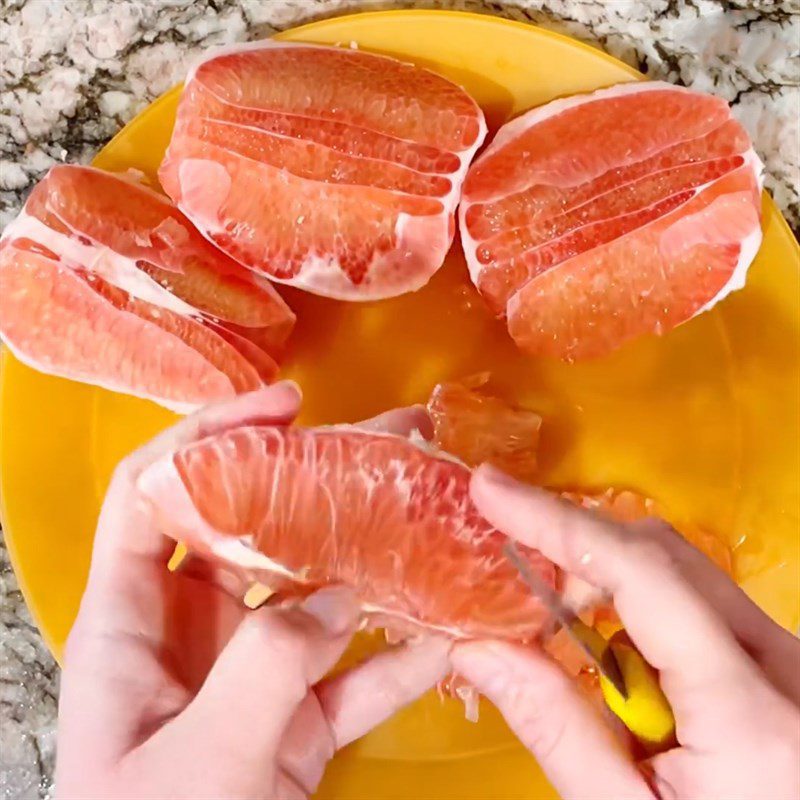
x,y
376,512
330,169
598,218
103,280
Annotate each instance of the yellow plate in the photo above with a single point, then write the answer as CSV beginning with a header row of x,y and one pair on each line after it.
x,y
705,419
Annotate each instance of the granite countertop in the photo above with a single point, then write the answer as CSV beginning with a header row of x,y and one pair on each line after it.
x,y
72,72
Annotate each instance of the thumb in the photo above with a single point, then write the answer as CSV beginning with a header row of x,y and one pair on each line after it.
x,y
546,711
263,674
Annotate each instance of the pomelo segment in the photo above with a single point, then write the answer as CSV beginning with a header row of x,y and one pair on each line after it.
x,y
78,324
375,511
333,170
598,218
151,308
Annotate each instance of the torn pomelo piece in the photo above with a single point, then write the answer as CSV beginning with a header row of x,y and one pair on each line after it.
x,y
476,427
598,218
330,169
374,511
152,308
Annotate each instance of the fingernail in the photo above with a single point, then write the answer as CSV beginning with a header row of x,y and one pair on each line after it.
x,y
290,384
490,477
335,608
482,665
424,421
489,474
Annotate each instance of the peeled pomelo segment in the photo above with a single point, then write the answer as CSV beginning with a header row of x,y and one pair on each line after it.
x,y
340,136
571,141
726,220
329,83
310,160
241,301
139,241
256,356
374,511
332,170
88,330
477,427
646,282
228,359
343,241
107,209
569,219
148,268
543,200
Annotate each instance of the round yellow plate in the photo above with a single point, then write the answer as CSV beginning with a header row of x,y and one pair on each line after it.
x,y
705,419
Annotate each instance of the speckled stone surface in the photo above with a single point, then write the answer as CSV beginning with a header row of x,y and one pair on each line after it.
x,y
72,72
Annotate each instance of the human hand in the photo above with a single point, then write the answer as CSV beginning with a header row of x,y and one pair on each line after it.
x,y
731,675
171,688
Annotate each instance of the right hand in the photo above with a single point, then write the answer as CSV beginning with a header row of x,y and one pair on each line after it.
x,y
731,675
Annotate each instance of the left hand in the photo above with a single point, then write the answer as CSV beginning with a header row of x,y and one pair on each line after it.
x,y
172,688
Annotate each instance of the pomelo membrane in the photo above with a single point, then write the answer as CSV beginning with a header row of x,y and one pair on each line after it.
x,y
598,218
330,169
103,280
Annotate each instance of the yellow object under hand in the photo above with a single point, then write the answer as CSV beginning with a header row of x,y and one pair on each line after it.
x,y
645,712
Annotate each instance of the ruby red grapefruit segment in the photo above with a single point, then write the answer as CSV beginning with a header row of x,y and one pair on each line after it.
x,y
314,162
621,125
374,511
662,274
392,97
333,170
560,214
520,208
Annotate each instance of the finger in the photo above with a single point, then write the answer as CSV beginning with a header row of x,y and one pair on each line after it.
x,y
307,745
546,711
264,673
356,701
402,421
770,645
274,405
122,618
672,624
